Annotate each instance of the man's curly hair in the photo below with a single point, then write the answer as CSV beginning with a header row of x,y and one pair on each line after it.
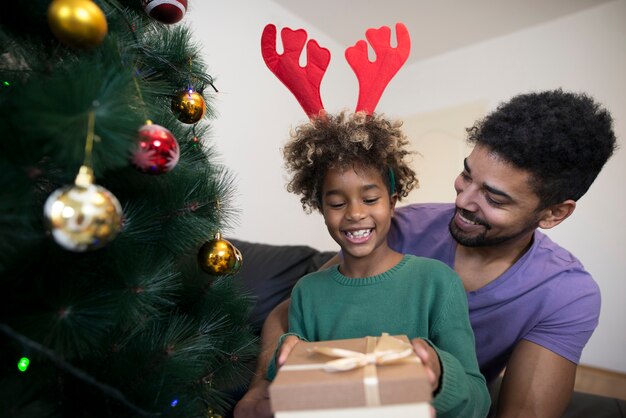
x,y
562,139
341,141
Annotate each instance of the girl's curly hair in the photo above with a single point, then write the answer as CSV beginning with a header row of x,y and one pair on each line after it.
x,y
346,140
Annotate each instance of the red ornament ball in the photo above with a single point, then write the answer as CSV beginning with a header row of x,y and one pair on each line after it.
x,y
165,11
157,150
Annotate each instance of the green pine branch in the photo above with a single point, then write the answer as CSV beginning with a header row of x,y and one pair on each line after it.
x,y
136,325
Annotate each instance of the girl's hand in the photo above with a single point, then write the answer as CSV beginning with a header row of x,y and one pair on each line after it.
x,y
430,359
288,344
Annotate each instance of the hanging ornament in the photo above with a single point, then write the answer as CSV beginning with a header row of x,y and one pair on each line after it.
x,y
165,11
84,216
210,413
157,150
218,257
77,23
188,106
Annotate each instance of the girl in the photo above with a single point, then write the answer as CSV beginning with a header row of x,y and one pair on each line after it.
x,y
353,169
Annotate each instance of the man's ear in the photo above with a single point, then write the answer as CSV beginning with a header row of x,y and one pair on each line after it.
x,y
555,214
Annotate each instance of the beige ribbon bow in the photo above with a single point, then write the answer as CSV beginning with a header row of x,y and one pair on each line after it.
x,y
387,350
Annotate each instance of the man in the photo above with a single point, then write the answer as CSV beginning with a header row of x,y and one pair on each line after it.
x,y
532,305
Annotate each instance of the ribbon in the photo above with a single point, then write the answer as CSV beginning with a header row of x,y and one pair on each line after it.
x,y
380,351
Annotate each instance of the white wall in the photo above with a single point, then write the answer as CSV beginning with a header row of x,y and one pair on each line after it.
x,y
581,52
255,114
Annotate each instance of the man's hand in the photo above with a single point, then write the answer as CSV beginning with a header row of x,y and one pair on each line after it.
x,y
256,402
430,359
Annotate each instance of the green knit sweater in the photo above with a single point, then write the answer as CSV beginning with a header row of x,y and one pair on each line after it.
x,y
418,297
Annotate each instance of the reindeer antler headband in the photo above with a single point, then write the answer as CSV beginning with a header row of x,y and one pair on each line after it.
x,y
304,82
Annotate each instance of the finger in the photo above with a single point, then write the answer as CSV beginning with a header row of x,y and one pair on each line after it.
x,y
430,374
433,413
421,351
288,345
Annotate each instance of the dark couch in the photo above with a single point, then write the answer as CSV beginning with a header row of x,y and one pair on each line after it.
x,y
269,272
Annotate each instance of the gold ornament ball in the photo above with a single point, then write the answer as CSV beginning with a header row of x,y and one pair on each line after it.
x,y
210,413
188,106
83,218
77,23
218,257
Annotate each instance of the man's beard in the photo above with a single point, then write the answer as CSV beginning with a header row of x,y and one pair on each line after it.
x,y
481,239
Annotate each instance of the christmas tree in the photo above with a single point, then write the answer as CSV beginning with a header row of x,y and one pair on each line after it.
x,y
117,289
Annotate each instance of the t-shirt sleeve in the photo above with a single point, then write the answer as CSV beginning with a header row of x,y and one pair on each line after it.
x,y
568,318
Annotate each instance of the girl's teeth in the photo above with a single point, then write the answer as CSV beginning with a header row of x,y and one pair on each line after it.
x,y
359,234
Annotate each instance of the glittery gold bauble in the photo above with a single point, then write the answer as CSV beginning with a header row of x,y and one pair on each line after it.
x,y
218,257
188,106
77,23
83,216
210,413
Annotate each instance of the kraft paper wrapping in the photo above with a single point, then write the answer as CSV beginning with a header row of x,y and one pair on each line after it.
x,y
404,410
303,384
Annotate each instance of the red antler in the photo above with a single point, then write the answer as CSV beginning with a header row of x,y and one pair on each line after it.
x,y
303,82
374,76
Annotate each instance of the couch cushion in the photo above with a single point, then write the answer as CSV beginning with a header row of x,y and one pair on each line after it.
x,y
269,272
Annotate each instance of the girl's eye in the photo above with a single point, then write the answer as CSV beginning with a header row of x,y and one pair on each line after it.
x,y
335,205
371,201
465,176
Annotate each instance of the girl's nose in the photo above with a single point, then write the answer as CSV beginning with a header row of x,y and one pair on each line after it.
x,y
355,212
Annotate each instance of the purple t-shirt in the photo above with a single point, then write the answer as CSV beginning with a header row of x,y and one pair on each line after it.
x,y
546,297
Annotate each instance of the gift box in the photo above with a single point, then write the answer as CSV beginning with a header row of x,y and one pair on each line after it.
x,y
403,410
369,372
